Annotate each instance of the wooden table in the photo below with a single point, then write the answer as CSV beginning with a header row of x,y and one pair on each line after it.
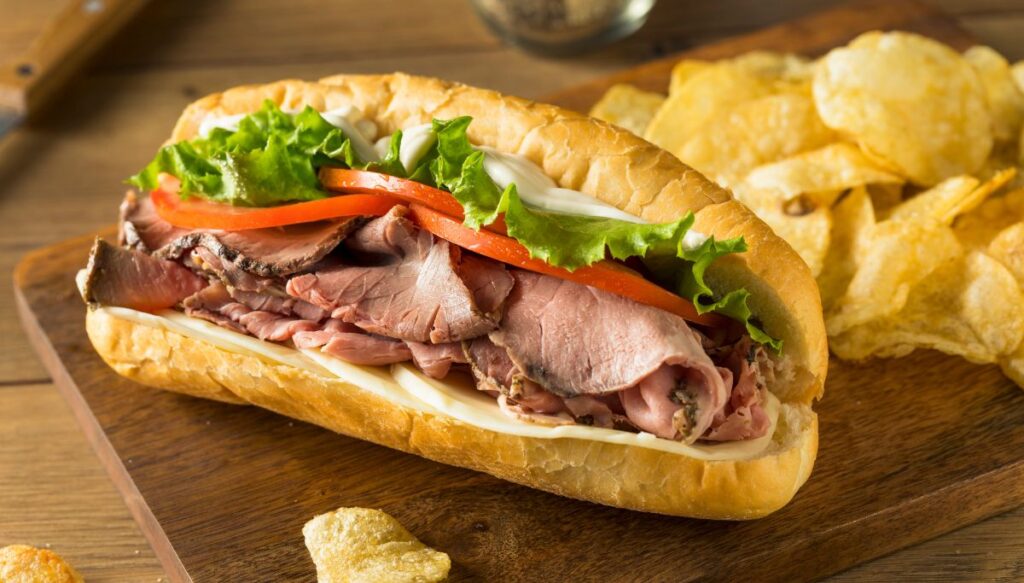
x,y
61,177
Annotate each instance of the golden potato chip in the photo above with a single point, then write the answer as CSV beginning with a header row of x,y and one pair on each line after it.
x,y
805,226
884,198
951,198
1005,100
969,306
1017,72
783,68
834,168
364,545
978,227
852,220
25,564
1008,248
908,100
939,202
893,258
683,71
708,93
628,107
753,133
1013,366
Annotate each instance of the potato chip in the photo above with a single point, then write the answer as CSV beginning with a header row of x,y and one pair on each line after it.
x,y
1008,248
976,229
806,229
852,220
969,306
783,68
1005,100
683,71
708,93
894,256
360,544
937,203
755,132
628,107
951,198
834,168
25,564
884,198
1013,366
908,100
1017,72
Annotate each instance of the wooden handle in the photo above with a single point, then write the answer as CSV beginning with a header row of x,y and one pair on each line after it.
x,y
66,43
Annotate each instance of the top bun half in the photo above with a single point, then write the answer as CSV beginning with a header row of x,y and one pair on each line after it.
x,y
594,157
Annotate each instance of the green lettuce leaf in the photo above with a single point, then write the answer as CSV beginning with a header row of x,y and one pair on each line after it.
x,y
272,159
684,274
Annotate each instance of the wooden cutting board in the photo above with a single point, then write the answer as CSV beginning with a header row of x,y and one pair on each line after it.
x,y
910,448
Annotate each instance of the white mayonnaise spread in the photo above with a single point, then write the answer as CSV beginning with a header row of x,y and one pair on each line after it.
x,y
692,239
225,122
403,384
539,191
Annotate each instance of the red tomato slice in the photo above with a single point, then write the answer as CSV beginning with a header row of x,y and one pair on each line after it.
x,y
605,275
361,181
410,191
201,214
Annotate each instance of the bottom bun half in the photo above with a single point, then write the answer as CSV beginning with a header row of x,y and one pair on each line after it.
x,y
625,476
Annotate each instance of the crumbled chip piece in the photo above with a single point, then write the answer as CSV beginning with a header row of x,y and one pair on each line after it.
x,y
357,545
25,564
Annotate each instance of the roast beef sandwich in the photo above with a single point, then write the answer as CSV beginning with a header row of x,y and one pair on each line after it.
x,y
478,279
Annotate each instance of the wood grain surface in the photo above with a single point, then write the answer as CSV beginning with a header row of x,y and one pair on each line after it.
x,y
61,177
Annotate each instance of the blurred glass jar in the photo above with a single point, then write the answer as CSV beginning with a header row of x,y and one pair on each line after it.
x,y
563,26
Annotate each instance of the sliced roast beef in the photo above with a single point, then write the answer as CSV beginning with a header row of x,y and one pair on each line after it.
x,y
744,416
216,267
262,252
616,344
216,304
351,344
495,371
487,280
436,360
402,283
524,399
116,276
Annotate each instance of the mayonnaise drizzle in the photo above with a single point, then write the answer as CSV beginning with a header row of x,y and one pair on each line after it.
x,y
406,386
539,191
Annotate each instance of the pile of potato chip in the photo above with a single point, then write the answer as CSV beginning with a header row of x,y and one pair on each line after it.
x,y
890,165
